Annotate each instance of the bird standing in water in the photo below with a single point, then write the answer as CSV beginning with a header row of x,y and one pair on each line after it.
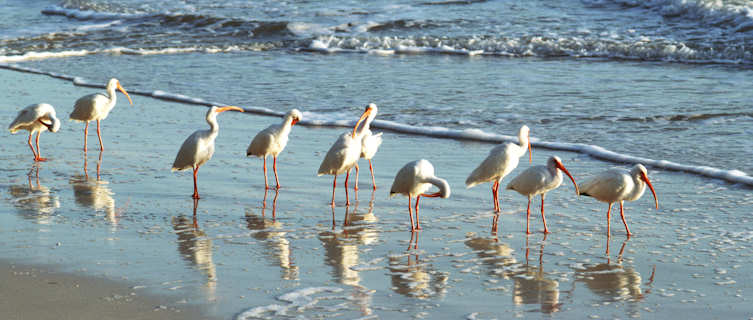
x,y
271,141
413,180
97,106
36,118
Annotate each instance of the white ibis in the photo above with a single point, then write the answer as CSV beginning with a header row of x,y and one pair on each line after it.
x,y
271,141
97,106
342,156
540,180
369,143
199,146
618,184
501,160
413,180
36,118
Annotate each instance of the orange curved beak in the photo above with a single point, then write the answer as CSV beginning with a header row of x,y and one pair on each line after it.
x,y
363,117
644,177
223,109
561,167
530,152
295,120
125,93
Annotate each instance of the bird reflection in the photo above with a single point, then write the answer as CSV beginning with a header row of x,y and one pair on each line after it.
x,y
613,281
195,247
532,287
268,231
341,248
94,193
497,256
34,201
412,278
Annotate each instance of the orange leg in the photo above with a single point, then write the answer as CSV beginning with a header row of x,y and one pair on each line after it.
x,y
543,218
274,168
99,135
347,198
32,147
371,168
622,215
86,134
528,216
609,218
39,154
266,185
195,188
418,226
356,187
334,184
410,214
495,195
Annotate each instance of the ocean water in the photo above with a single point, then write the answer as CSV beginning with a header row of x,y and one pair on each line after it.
x,y
600,83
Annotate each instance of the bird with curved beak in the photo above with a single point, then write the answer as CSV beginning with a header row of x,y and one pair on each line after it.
x,y
36,118
618,184
97,106
342,156
198,148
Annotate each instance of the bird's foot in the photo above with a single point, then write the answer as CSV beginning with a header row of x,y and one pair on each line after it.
x,y
278,187
546,231
629,235
355,188
528,232
40,159
195,196
418,228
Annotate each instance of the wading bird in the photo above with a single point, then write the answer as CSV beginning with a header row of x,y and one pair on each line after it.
x,y
501,160
413,180
539,180
618,184
369,143
97,106
342,156
36,118
271,141
199,146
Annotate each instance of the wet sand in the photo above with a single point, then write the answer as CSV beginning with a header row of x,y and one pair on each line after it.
x,y
242,252
34,292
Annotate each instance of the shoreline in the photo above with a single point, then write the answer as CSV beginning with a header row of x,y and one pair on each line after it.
x,y
43,292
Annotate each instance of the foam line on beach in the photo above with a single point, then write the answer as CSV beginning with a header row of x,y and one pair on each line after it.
x,y
338,120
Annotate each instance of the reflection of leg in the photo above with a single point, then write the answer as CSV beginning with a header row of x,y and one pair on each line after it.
x,y
274,168
543,218
86,134
99,135
622,215
266,185
371,168
99,164
528,216
418,225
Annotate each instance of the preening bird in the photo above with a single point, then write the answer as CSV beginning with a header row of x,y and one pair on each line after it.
x,y
413,180
501,160
369,143
540,180
272,140
342,156
199,146
36,118
618,184
97,106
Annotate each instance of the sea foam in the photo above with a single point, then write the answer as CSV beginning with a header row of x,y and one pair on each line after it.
x,y
336,120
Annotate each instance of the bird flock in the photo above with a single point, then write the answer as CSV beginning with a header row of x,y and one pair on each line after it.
x,y
412,180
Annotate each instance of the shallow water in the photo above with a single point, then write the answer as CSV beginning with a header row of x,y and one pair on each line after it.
x,y
661,80
135,222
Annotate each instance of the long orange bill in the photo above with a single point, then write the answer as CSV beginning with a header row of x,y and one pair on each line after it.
x,y
530,151
125,93
648,182
295,120
363,117
561,167
223,109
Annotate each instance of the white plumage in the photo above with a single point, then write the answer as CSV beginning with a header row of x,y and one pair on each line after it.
x,y
540,180
272,140
369,143
413,180
618,184
342,156
198,148
501,160
97,106
36,118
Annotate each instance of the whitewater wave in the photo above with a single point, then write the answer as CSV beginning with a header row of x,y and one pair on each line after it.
x,y
327,120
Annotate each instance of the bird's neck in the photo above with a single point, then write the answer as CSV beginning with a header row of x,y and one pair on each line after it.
x,y
287,125
214,127
523,145
441,184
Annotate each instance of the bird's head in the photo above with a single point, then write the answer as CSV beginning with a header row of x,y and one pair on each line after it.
x,y
640,171
294,116
556,162
371,108
115,84
524,135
